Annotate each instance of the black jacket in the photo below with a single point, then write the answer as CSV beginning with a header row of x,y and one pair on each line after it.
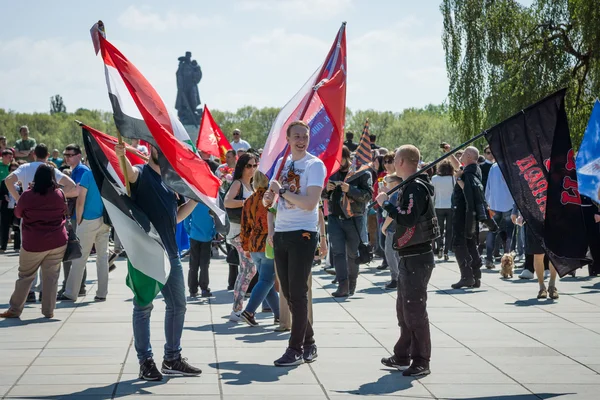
x,y
469,203
359,194
413,203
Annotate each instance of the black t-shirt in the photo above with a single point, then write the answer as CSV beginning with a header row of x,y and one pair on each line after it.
x,y
336,196
159,203
212,165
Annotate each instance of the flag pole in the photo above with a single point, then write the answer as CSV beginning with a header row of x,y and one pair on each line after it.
x,y
123,165
431,164
312,94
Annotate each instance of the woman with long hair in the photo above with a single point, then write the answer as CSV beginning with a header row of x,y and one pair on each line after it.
x,y
253,235
443,182
239,191
44,241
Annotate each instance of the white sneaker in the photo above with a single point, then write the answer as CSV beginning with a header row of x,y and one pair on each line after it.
x,y
526,274
235,316
546,274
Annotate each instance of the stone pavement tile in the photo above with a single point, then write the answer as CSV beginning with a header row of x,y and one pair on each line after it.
x,y
121,342
9,375
114,352
553,374
537,351
74,391
71,379
480,391
276,389
113,368
565,391
459,378
198,396
204,379
4,389
14,344
72,360
165,387
529,361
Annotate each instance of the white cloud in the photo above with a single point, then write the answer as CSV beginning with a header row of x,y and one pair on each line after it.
x,y
142,19
321,9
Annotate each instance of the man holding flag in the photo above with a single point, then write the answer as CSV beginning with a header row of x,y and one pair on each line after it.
x,y
295,240
160,204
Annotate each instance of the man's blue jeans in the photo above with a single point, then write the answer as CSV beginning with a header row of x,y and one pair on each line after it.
x,y
265,288
174,295
505,224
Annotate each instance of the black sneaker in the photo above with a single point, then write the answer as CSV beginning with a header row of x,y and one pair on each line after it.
x,y
62,297
99,299
82,293
149,372
194,295
248,318
291,358
393,362
31,298
310,353
392,285
416,370
382,267
179,367
206,293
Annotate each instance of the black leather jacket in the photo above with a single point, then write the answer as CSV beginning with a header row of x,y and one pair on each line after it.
x,y
359,194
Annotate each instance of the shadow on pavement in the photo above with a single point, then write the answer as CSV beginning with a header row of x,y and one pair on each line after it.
x,y
531,302
245,374
391,383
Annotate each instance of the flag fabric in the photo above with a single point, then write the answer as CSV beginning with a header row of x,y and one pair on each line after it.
x,y
588,158
321,103
148,263
139,112
363,152
533,150
211,139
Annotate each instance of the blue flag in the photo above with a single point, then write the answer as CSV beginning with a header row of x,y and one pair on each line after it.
x,y
588,158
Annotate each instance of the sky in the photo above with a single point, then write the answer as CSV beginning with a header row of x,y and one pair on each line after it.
x,y
252,52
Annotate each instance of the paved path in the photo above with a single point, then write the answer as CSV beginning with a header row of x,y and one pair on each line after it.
x,y
491,343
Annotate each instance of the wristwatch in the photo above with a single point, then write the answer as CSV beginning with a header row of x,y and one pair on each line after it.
x,y
282,191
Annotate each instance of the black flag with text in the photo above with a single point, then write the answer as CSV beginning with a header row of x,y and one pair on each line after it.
x,y
534,152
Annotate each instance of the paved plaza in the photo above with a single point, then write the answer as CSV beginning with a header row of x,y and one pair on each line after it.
x,y
495,342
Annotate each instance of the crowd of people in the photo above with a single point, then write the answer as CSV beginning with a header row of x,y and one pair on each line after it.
x,y
280,229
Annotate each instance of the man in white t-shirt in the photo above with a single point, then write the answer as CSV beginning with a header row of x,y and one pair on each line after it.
x,y
238,143
26,172
295,238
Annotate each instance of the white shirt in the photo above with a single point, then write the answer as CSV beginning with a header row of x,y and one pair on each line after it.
x,y
444,185
26,172
309,171
241,145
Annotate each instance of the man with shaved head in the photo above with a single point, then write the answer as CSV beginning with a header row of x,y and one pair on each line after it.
x,y
416,230
468,203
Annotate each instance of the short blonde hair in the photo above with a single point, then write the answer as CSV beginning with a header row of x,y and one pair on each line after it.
x,y
410,154
260,180
296,123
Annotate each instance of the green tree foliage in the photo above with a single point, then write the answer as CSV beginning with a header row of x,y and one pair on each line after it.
x,y
425,128
502,56
57,105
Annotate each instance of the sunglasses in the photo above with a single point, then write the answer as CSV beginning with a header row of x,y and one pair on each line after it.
x,y
236,134
389,162
69,155
249,166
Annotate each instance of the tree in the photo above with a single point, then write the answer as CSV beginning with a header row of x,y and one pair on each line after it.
x,y
57,105
502,56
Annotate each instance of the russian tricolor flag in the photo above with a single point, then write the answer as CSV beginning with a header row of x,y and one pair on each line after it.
x,y
321,103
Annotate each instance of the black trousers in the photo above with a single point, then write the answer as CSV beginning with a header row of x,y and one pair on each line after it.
x,y
467,255
7,218
411,309
444,216
233,269
200,253
294,252
593,236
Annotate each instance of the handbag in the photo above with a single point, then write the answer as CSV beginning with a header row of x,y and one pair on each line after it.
x,y
73,250
233,258
235,214
365,250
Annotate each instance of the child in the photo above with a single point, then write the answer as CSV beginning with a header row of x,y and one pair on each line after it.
x,y
200,226
389,229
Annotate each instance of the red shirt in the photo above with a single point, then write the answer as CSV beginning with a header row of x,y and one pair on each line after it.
x,y
43,220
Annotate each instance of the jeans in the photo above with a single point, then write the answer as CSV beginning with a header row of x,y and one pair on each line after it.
x,y
344,235
90,232
294,252
391,255
199,260
411,309
265,288
505,224
174,295
444,217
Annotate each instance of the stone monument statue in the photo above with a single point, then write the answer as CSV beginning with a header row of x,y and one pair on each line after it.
x,y
187,104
